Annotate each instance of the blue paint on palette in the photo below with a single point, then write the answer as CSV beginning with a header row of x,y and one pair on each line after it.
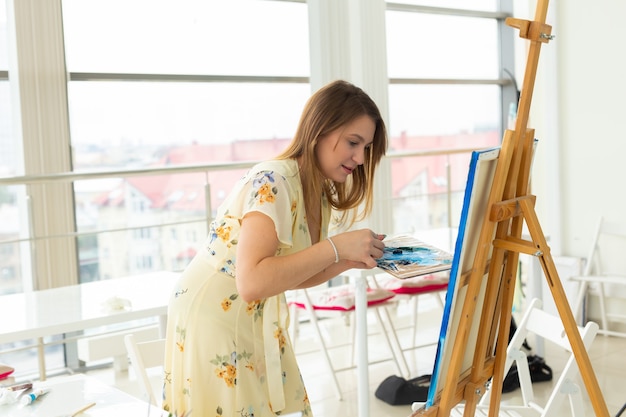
x,y
421,256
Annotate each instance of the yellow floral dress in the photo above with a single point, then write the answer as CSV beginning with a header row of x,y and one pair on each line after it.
x,y
226,357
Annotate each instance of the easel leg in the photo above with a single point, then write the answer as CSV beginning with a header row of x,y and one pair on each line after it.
x,y
569,323
505,308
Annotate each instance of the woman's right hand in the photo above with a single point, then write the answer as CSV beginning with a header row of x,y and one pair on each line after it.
x,y
361,247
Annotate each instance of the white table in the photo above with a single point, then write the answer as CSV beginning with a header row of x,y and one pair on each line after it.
x,y
57,311
68,394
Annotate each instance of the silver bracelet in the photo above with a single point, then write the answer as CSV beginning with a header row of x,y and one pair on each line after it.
x,y
335,249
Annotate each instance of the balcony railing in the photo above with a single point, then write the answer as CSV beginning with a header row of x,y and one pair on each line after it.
x,y
427,194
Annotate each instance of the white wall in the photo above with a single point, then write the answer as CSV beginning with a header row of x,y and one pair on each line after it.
x,y
578,111
578,108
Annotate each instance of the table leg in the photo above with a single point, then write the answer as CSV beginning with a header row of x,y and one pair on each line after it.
x,y
162,325
360,302
42,358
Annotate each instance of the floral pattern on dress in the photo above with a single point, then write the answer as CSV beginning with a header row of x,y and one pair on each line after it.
x,y
262,189
255,308
279,335
180,338
228,302
222,231
226,366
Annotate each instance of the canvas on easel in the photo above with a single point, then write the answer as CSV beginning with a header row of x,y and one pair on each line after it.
x,y
479,180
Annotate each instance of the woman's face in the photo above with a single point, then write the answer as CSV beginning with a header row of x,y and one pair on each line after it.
x,y
342,150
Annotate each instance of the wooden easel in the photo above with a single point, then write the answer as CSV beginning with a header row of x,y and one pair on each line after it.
x,y
509,205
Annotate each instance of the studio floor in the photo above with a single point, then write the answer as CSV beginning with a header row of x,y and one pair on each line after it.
x,y
606,355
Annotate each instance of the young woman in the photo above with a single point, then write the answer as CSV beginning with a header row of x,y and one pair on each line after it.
x,y
228,352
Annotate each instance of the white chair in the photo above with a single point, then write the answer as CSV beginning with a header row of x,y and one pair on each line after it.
x,y
144,356
411,289
612,238
551,329
337,300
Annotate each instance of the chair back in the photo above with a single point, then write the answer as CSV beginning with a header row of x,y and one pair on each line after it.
x,y
549,327
144,356
608,242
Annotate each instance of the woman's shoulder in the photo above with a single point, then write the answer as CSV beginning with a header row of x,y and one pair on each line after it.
x,y
287,168
271,180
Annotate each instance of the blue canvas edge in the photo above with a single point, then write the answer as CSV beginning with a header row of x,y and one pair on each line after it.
x,y
445,321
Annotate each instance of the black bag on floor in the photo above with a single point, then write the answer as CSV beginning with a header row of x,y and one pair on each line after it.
x,y
539,372
396,390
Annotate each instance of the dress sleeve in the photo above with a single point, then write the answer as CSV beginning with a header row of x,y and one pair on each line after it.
x,y
269,192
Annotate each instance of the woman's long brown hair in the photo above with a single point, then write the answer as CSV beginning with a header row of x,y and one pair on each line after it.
x,y
328,109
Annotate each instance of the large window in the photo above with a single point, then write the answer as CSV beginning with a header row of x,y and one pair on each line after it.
x,y
10,265
186,77
149,85
219,37
447,91
153,84
200,82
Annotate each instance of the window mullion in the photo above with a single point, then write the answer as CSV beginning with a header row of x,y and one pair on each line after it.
x,y
39,93
348,42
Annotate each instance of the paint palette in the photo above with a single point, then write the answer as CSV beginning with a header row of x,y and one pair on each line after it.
x,y
407,257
